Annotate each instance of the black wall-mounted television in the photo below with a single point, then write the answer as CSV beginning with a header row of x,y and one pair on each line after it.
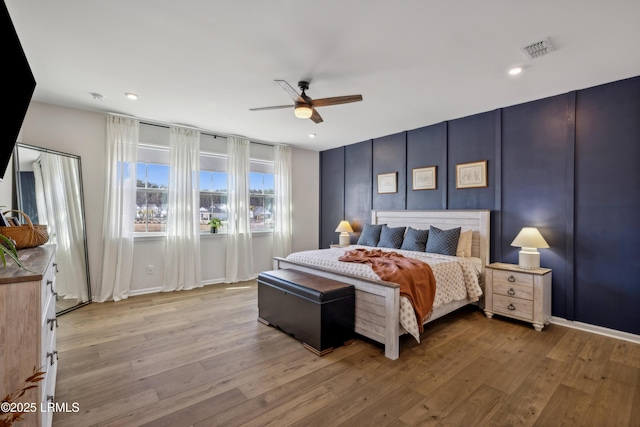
x,y
21,83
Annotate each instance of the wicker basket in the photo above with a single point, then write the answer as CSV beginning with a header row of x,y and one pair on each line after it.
x,y
26,236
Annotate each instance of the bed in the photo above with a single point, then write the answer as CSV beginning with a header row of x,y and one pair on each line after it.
x,y
378,303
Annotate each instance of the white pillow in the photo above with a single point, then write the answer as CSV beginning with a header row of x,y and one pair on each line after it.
x,y
464,244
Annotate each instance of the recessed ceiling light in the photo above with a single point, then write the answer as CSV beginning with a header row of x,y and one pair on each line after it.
x,y
312,135
131,95
97,96
515,71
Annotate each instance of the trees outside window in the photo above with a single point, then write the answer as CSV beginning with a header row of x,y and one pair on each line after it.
x,y
153,184
261,189
151,197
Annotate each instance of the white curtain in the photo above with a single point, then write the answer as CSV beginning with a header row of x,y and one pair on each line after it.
x,y
59,202
239,248
182,244
114,277
282,229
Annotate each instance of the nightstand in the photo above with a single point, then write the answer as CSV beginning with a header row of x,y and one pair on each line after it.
x,y
519,293
338,246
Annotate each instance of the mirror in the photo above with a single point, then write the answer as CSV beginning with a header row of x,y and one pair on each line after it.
x,y
49,191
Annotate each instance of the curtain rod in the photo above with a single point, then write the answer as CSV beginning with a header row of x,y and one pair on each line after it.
x,y
203,131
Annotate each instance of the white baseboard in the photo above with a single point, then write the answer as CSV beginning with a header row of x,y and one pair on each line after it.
x,y
613,333
145,291
159,288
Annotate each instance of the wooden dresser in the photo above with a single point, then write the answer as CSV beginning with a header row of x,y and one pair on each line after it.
x,y
28,329
519,293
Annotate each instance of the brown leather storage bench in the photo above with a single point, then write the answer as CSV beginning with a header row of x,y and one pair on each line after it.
x,y
318,311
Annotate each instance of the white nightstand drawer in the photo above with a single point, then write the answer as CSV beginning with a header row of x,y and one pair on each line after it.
x,y
508,278
514,307
512,290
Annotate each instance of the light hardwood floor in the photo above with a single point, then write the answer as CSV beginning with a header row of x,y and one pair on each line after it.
x,y
200,358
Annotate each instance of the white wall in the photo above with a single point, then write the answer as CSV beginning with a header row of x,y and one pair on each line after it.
x,y
83,133
6,187
306,200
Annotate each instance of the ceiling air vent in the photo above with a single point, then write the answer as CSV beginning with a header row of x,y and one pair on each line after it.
x,y
537,49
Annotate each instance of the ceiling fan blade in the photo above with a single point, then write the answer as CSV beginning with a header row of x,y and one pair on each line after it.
x,y
323,102
291,91
316,117
277,107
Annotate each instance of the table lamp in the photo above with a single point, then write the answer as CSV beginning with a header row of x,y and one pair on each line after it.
x,y
529,239
344,228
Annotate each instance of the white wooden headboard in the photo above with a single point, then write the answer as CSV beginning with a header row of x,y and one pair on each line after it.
x,y
476,220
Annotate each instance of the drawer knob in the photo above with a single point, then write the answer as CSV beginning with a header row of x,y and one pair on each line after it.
x,y
57,296
511,307
55,264
50,398
511,291
51,321
55,353
511,279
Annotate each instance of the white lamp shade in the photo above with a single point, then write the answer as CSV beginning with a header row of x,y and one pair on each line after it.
x,y
529,237
344,226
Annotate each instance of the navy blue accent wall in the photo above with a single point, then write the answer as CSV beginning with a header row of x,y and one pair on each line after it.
x,y
358,186
568,165
331,194
427,146
607,197
390,155
471,139
534,161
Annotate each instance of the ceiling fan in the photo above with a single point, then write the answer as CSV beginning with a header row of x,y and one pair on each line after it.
x,y
305,107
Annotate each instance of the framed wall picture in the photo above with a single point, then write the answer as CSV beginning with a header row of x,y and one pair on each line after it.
x,y
471,175
387,183
424,178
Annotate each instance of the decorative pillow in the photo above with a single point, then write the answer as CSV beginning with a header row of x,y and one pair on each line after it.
x,y
415,240
444,242
391,237
464,243
370,235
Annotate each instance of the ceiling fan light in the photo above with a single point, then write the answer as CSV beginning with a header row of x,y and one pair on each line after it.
x,y
303,111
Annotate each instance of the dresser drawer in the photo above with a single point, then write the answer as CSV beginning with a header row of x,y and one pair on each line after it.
x,y
50,366
512,290
514,307
509,278
47,330
48,288
47,396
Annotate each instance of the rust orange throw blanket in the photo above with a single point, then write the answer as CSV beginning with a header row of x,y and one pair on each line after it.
x,y
414,277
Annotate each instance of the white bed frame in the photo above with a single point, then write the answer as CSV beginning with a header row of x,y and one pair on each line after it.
x,y
377,301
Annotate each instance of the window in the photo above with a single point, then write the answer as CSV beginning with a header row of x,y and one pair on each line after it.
x,y
152,176
151,197
261,189
153,184
213,198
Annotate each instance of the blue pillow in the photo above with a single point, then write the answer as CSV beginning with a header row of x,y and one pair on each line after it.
x,y
443,242
370,235
415,240
391,237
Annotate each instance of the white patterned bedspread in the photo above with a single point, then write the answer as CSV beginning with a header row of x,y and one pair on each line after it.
x,y
456,277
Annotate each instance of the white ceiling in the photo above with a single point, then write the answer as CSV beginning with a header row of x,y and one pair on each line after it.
x,y
415,62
